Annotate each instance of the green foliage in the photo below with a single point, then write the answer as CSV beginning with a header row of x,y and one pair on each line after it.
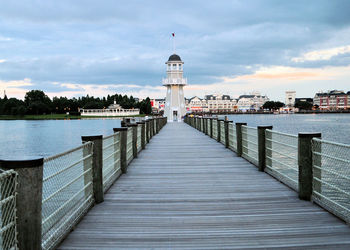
x,y
303,105
272,105
36,102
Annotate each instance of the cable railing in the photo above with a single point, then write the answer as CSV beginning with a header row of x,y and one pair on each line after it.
x,y
250,144
53,194
129,153
67,192
222,132
138,143
208,126
232,137
317,169
282,157
8,190
331,177
111,160
215,126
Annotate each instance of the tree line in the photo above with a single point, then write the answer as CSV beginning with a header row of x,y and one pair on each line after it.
x,y
36,102
302,105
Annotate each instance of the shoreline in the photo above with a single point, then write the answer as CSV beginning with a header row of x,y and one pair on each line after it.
x,y
59,117
272,113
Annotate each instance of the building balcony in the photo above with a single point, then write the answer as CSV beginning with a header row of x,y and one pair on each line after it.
x,y
174,81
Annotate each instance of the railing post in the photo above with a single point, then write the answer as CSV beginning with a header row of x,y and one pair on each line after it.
x,y
122,141
211,127
147,131
158,125
218,130
151,128
262,147
305,164
143,134
239,137
97,163
227,133
204,120
28,202
134,139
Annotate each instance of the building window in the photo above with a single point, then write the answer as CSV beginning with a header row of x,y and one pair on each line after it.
x,y
179,66
174,66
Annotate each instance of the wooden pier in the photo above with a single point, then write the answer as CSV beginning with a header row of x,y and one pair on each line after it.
x,y
186,190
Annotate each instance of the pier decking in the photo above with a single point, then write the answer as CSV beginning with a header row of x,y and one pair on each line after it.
x,y
185,190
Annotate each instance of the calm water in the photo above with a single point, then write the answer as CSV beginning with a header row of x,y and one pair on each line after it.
x,y
334,127
27,139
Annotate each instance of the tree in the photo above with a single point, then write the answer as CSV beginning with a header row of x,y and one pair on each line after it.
x,y
37,102
10,107
271,105
303,105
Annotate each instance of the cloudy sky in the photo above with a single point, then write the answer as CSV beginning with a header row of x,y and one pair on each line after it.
x,y
74,48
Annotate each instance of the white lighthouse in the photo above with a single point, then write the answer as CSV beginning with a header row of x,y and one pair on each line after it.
x,y
175,100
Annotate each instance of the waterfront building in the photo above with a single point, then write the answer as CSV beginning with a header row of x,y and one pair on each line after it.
x,y
158,105
224,103
253,101
112,110
290,98
332,100
220,103
196,104
175,101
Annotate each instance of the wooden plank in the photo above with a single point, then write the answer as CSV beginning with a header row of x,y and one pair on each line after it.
x,y
185,190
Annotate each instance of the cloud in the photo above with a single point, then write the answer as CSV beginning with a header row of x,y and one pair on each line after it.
x,y
125,44
15,88
325,54
2,60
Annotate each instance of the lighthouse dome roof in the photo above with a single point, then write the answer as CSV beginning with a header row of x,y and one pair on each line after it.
x,y
174,57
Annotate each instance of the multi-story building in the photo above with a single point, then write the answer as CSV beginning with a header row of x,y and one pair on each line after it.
x,y
220,103
196,104
158,105
290,98
332,100
253,101
224,103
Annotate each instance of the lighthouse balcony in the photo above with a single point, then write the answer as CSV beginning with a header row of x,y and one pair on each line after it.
x,y
174,81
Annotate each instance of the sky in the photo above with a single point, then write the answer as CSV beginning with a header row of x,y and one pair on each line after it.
x,y
74,48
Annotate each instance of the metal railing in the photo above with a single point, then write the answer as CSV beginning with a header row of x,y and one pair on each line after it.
x,y
222,132
324,166
282,157
331,177
111,160
250,144
232,137
8,190
208,126
67,192
215,127
138,142
129,153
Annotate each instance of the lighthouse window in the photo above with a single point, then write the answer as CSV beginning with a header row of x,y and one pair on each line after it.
x,y
174,66
179,66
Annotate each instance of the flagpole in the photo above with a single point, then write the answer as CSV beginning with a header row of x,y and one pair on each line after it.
x,y
173,34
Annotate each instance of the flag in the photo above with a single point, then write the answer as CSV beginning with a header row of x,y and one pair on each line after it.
x,y
173,34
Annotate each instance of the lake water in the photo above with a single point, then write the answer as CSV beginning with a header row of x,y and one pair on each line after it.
x,y
334,127
26,139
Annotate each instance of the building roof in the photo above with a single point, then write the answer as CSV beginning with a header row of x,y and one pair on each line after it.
x,y
304,99
174,57
332,92
194,97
